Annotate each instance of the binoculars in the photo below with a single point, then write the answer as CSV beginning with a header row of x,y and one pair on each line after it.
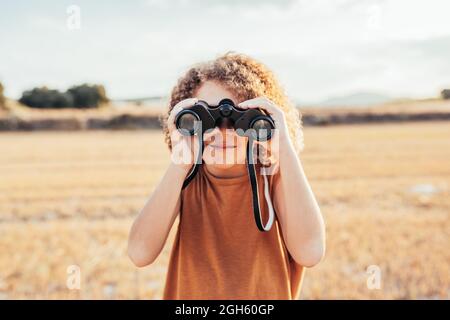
x,y
247,122
252,123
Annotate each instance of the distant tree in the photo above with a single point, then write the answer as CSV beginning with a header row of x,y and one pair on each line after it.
x,y
83,96
87,96
46,98
2,97
63,100
445,94
102,93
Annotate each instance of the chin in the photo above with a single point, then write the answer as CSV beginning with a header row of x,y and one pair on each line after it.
x,y
223,166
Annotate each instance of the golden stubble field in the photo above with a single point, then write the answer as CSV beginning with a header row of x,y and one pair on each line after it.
x,y
69,198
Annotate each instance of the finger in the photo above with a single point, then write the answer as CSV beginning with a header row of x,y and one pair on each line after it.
x,y
185,103
264,146
177,108
265,157
182,105
259,103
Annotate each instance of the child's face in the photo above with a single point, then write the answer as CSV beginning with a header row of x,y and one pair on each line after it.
x,y
223,147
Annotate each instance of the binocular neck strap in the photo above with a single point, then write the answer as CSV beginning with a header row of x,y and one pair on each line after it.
x,y
255,192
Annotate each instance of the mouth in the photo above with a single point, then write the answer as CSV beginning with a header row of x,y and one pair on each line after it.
x,y
216,146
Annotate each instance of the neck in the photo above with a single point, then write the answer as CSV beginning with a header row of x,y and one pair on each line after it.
x,y
237,170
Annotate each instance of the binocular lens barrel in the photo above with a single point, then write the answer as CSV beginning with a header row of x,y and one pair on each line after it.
x,y
186,122
263,129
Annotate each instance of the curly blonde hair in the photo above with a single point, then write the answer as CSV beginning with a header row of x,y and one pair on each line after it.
x,y
247,78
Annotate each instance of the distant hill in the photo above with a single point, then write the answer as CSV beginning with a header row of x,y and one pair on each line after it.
x,y
157,101
363,99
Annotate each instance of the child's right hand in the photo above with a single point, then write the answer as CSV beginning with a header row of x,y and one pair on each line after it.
x,y
184,148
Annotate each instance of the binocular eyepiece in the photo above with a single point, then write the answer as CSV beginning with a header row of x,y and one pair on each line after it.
x,y
247,122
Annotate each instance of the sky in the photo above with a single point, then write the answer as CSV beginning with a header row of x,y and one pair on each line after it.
x,y
317,49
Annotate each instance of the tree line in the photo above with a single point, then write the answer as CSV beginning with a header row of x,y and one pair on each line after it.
x,y
80,96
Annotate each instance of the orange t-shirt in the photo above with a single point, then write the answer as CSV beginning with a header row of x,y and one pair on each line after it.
x,y
218,251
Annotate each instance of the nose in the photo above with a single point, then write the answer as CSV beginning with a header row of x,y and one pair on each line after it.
x,y
226,124
221,132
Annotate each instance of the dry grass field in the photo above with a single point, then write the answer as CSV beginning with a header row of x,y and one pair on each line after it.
x,y
69,198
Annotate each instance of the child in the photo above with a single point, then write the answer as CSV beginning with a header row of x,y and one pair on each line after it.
x,y
218,252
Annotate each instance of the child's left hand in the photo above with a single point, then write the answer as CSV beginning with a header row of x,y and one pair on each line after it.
x,y
280,138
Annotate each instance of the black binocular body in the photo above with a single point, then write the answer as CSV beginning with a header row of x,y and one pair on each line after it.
x,y
246,122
